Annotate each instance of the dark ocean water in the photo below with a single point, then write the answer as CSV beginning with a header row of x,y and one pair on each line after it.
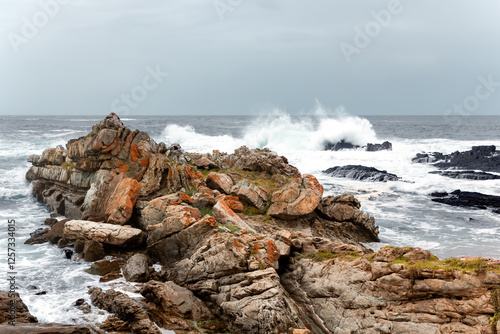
x,y
403,210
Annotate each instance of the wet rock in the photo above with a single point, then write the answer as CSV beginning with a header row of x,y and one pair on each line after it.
x,y
50,221
110,276
56,232
38,237
298,198
468,200
484,158
21,312
361,173
68,253
137,268
467,175
220,182
385,146
125,308
104,233
176,300
105,266
93,251
79,246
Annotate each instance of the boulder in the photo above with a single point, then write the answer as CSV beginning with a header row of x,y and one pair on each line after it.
x,y
385,146
21,312
233,202
56,232
220,182
205,163
361,173
103,267
121,203
137,268
93,251
298,198
125,308
106,233
251,194
176,300
224,215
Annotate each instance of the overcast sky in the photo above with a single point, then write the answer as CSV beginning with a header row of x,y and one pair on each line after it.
x,y
249,56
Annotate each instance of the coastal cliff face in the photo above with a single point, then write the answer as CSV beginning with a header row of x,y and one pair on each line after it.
x,y
246,244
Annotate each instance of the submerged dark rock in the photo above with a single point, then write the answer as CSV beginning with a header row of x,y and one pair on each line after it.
x,y
468,200
484,158
345,145
469,175
361,173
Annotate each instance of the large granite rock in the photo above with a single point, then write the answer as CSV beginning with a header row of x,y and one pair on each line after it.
x,y
20,310
102,232
156,210
223,214
298,198
220,182
137,268
251,194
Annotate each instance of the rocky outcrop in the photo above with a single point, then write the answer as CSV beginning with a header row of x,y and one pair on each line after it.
x,y
298,198
223,214
105,233
361,173
468,199
251,194
220,182
484,158
345,145
386,292
125,308
467,175
156,210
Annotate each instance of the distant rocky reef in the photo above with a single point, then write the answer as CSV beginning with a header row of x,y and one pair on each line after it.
x,y
245,243
345,145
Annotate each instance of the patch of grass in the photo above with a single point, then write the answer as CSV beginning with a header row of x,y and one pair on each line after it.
x,y
324,255
206,211
204,172
251,211
68,165
165,191
233,228
190,192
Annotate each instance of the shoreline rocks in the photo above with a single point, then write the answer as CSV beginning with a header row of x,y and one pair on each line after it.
x,y
241,242
361,173
468,199
345,145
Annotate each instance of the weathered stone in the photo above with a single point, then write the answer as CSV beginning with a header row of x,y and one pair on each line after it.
x,y
103,267
177,218
137,268
232,202
221,182
297,198
21,312
56,232
121,203
224,215
93,251
204,198
176,300
105,233
205,163
46,328
251,194
125,308
156,210
38,237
